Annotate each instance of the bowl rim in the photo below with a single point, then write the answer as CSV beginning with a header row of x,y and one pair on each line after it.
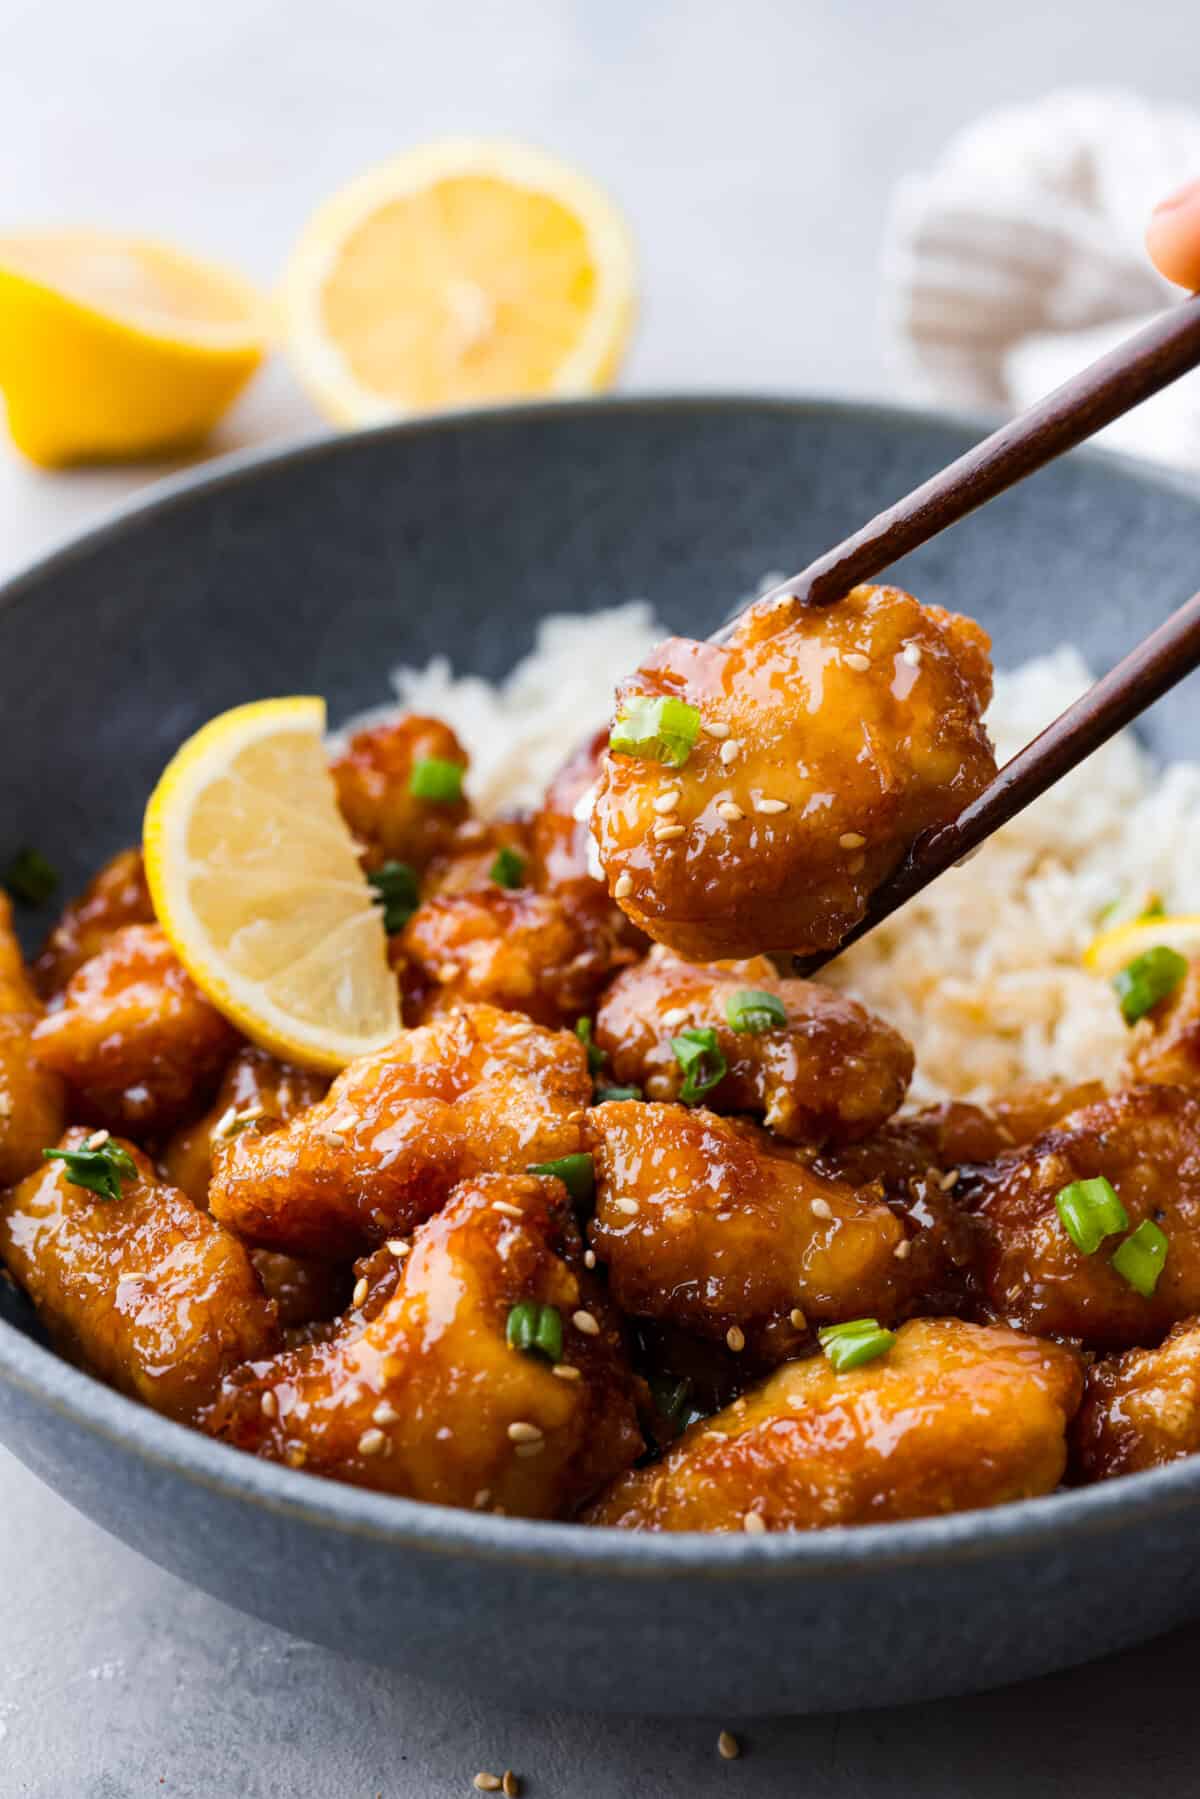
x,y
43,1377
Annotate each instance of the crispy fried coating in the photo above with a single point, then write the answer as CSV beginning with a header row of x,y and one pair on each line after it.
x,y
1164,1046
146,1291
712,1225
544,954
1140,1409
844,732
117,896
467,863
1146,1141
372,777
31,1097
953,1418
423,1394
478,1090
255,1087
833,1072
135,1040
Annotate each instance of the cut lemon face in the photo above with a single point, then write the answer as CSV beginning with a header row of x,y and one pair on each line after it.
x,y
254,879
112,347
467,272
1114,950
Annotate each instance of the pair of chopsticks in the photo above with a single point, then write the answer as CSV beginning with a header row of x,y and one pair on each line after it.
x,y
1143,365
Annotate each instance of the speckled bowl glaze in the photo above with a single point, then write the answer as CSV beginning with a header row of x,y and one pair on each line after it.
x,y
314,569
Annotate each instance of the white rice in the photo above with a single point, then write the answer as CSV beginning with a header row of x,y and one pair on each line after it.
x,y
982,971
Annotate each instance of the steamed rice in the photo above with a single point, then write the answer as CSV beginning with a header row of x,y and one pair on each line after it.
x,y
982,971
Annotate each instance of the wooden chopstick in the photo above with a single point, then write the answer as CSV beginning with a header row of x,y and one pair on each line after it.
x,y
1143,676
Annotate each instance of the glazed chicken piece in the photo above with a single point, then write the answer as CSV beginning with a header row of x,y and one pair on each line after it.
x,y
561,833
375,777
147,1292
952,1418
829,1070
476,1091
1141,1409
256,1088
426,1396
1146,1142
31,1099
712,1225
826,740
481,852
1165,1044
117,896
135,1040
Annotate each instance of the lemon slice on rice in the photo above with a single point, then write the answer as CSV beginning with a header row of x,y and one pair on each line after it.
x,y
1114,950
255,880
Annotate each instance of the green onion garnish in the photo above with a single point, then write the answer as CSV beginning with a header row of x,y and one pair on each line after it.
x,y
435,779
30,878
1130,908
1091,1211
663,730
852,1344
1141,1257
1148,979
754,1011
100,1170
536,1330
672,1400
508,870
577,1174
698,1054
603,1094
396,885
596,1057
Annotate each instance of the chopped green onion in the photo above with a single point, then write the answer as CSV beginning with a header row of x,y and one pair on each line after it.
x,y
672,1400
1141,1257
435,779
698,1054
1147,980
852,1344
663,730
396,885
596,1057
1091,1211
577,1174
1130,908
508,870
30,878
603,1095
536,1330
100,1170
754,1011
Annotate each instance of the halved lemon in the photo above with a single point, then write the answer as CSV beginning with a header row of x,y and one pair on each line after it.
x,y
254,878
465,272
111,346
1114,950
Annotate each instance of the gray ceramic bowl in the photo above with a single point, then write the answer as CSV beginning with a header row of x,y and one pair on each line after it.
x,y
317,568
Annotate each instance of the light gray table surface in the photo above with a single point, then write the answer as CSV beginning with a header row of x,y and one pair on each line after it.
x,y
753,147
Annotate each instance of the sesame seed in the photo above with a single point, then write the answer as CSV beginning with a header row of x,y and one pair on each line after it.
x,y
447,972
522,1432
667,802
731,750
583,1321
629,1206
716,730
385,1413
855,659
664,833
371,1442
589,1258
486,1783
770,806
481,1498
912,655
269,1404
949,1180
735,1336
675,1016
96,1139
902,1250
754,1524
397,1247
821,1208
797,1319
361,1289
506,1206
623,886
728,1747
565,1371
729,810
334,1139
851,840
510,1784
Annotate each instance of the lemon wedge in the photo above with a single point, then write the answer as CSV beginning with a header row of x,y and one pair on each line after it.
x,y
254,878
114,347
466,272
1113,950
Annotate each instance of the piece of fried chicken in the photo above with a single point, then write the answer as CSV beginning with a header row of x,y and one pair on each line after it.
x,y
116,896
379,791
424,1394
1140,1409
952,1418
827,739
31,1097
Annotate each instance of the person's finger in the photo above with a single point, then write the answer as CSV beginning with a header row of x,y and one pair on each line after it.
x,y
1173,236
